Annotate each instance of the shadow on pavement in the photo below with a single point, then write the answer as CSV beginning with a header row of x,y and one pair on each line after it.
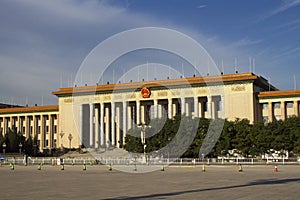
x,y
170,194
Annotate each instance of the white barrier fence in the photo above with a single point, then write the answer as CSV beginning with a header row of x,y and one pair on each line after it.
x,y
149,161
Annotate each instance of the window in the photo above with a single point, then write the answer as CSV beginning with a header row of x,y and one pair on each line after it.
x,y
265,106
46,143
289,104
266,119
277,105
47,129
55,129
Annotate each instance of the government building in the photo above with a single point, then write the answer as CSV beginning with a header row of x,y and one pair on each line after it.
x,y
99,116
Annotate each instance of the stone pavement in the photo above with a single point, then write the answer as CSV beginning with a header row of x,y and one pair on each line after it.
x,y
97,182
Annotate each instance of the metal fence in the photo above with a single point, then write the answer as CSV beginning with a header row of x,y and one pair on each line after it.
x,y
149,161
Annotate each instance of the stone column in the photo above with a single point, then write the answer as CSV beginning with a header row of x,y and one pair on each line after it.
x,y
19,124
80,126
170,116
43,133
223,107
159,111
26,127
124,127
118,136
102,142
174,110
209,107
296,108
138,112
155,102
283,110
50,131
142,114
196,109
182,102
107,116
112,126
271,113
91,124
97,127
129,119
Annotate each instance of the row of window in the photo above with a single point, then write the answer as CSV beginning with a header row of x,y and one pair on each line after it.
x,y
277,105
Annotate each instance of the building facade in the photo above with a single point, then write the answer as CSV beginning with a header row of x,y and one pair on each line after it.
x,y
99,116
38,121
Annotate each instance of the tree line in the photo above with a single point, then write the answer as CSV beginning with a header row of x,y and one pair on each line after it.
x,y
14,141
248,140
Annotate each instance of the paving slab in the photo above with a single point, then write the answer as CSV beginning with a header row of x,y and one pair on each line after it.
x,y
97,182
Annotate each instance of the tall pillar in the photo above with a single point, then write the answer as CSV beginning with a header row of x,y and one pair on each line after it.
x,y
159,111
80,126
19,124
174,110
118,136
142,114
200,109
124,127
196,109
296,108
283,110
26,127
43,133
102,142
129,119
182,105
209,107
113,117
50,131
271,113
91,124
138,112
223,106
155,102
107,116
170,108
97,127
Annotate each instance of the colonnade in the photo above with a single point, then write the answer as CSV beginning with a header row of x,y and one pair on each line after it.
x,y
105,124
280,110
42,125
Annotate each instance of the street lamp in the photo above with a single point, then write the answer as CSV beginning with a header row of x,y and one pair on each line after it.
x,y
143,127
61,134
20,147
4,147
70,137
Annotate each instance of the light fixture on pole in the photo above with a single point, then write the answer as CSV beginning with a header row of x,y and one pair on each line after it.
x,y
143,127
4,147
20,148
70,137
61,134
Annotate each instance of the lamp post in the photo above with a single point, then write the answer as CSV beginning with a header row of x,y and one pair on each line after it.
x,y
143,127
20,147
70,137
61,134
4,147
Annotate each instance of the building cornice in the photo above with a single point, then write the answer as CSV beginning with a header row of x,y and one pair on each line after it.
x,y
207,80
280,93
29,109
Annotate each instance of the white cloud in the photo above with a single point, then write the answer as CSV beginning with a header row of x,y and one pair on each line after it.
x,y
286,4
201,6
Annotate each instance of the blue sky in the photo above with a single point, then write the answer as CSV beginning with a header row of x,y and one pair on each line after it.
x,y
43,43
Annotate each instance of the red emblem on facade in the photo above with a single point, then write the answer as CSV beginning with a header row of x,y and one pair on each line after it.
x,y
145,92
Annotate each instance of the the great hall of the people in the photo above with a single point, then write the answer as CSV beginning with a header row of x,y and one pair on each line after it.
x,y
100,115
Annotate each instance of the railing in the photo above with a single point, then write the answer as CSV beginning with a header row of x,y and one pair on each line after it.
x,y
150,161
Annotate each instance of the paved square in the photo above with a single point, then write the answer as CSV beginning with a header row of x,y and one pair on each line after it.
x,y
97,182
